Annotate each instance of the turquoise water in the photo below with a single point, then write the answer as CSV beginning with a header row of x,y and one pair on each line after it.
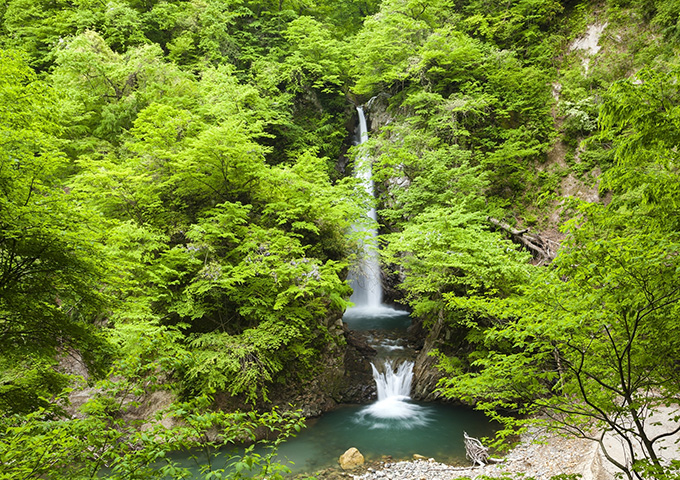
x,y
377,318
436,430
433,430
394,426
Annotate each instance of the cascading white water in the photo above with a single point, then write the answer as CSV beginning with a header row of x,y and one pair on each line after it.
x,y
393,408
393,383
365,278
394,389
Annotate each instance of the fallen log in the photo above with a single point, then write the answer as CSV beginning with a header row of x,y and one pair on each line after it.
x,y
539,248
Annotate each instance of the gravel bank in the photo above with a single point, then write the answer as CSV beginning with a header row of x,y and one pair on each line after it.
x,y
552,455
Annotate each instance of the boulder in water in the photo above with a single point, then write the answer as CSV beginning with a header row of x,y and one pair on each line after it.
x,y
351,459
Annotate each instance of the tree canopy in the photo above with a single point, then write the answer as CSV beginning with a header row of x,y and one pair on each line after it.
x,y
177,205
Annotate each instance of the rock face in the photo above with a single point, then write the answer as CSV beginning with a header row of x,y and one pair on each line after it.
x,y
376,108
425,373
343,375
351,459
357,384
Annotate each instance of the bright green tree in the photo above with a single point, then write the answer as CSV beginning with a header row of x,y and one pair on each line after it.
x,y
105,441
590,342
51,271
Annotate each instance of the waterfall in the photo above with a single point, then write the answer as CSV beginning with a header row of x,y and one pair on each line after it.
x,y
393,383
365,278
393,405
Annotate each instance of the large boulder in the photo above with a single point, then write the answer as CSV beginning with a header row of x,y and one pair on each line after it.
x,y
351,459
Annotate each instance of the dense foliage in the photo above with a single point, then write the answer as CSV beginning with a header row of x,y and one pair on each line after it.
x,y
587,343
167,173
172,216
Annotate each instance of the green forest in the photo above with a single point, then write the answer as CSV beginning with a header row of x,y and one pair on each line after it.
x,y
177,196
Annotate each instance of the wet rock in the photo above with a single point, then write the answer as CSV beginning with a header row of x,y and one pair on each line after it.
x,y
351,459
377,114
425,373
359,342
357,384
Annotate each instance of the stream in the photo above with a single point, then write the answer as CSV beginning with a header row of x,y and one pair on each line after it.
x,y
394,425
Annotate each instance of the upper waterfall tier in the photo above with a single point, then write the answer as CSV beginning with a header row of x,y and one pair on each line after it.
x,y
365,277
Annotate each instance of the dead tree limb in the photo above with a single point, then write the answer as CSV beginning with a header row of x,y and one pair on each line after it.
x,y
477,453
539,248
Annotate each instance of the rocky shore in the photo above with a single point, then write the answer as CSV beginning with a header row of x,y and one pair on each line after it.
x,y
539,455
539,461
